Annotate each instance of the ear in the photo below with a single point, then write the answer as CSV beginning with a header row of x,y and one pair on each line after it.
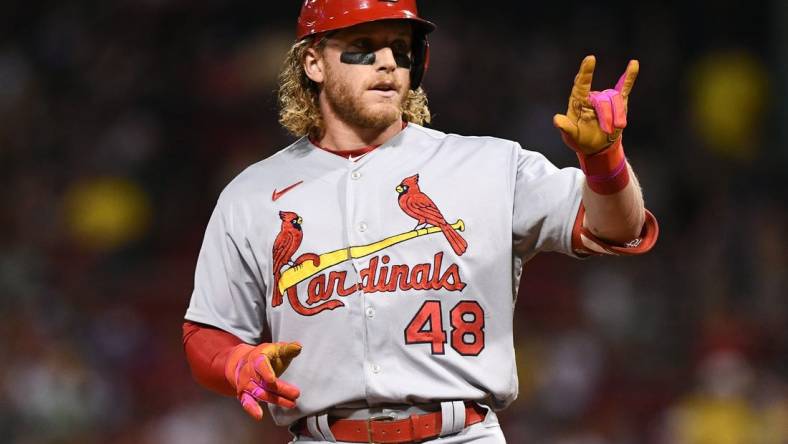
x,y
313,65
282,215
417,177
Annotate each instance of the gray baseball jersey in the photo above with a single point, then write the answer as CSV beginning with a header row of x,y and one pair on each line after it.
x,y
397,272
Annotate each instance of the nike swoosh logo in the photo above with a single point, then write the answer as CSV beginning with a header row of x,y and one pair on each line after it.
x,y
277,194
353,159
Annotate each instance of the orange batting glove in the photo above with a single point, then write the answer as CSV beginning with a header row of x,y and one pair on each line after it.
x,y
253,372
595,119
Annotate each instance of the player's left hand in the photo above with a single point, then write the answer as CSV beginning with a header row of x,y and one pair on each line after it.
x,y
595,119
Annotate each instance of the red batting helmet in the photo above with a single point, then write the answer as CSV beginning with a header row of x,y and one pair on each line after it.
x,y
329,15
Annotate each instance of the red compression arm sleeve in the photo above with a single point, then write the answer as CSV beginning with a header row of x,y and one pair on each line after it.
x,y
207,349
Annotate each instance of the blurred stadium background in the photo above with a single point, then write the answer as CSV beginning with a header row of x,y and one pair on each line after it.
x,y
120,122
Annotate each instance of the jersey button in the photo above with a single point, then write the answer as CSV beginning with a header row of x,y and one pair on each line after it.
x,y
362,227
355,175
370,312
375,368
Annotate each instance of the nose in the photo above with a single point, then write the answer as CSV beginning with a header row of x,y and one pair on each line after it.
x,y
384,60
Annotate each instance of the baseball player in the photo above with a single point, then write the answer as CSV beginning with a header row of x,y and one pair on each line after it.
x,y
382,257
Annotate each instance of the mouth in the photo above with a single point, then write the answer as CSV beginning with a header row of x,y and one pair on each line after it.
x,y
385,89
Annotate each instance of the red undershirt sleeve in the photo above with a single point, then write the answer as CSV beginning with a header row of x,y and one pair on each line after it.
x,y
584,243
207,349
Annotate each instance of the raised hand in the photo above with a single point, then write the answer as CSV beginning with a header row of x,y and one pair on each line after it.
x,y
595,119
254,372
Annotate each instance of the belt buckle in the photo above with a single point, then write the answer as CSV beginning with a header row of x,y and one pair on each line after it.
x,y
378,417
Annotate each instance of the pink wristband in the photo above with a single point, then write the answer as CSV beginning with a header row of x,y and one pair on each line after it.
x,y
606,171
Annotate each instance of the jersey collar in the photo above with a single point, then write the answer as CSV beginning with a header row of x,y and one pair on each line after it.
x,y
352,155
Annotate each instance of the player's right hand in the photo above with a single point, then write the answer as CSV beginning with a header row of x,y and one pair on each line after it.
x,y
254,372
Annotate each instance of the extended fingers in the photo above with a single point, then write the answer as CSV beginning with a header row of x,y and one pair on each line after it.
x,y
281,396
286,389
273,398
277,386
262,366
289,350
585,75
627,80
274,359
251,406
283,388
277,358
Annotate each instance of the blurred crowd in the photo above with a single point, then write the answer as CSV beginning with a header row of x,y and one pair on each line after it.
x,y
121,121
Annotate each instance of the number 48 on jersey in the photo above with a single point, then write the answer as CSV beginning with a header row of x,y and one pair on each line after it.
x,y
467,328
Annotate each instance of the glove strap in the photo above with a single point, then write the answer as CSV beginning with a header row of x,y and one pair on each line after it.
x,y
234,363
606,171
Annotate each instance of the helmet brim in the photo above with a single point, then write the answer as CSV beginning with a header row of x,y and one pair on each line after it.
x,y
337,23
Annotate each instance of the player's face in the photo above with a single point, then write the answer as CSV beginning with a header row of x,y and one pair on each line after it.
x,y
367,73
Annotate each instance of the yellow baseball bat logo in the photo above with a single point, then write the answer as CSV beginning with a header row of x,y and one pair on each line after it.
x,y
299,273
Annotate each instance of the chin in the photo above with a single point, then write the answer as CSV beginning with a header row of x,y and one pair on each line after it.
x,y
387,116
381,115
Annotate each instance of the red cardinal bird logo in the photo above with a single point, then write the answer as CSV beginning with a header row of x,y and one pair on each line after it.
x,y
285,245
419,206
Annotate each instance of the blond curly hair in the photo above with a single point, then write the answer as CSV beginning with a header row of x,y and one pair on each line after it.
x,y
299,111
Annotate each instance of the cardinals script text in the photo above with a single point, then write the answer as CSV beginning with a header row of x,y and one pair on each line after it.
x,y
377,277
